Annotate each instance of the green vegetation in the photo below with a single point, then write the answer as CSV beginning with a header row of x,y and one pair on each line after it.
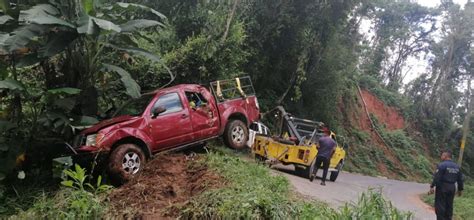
x,y
82,61
250,191
70,63
462,205
71,202
253,192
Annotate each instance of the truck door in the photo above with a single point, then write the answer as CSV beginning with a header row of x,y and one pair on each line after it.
x,y
172,127
204,115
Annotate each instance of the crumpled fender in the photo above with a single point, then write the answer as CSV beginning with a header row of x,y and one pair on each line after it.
x,y
110,139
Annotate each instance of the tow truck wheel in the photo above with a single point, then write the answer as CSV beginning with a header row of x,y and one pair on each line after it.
x,y
125,161
334,174
236,134
303,172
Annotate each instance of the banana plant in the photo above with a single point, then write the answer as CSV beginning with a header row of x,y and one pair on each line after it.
x,y
88,39
96,31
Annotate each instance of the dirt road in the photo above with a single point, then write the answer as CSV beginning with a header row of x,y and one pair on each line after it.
x,y
348,187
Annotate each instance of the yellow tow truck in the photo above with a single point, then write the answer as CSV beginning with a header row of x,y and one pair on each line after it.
x,y
297,143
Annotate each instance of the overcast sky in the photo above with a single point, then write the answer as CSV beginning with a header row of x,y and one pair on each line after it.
x,y
434,3
418,66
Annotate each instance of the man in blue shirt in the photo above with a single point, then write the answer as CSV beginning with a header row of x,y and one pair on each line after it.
x,y
447,174
326,149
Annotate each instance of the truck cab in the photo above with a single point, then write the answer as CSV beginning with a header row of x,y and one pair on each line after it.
x,y
165,119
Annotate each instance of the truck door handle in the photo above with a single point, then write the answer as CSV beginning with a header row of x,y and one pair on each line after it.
x,y
183,116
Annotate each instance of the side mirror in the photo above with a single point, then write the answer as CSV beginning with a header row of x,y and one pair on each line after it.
x,y
157,111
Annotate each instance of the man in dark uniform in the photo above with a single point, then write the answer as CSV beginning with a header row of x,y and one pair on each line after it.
x,y
326,149
445,177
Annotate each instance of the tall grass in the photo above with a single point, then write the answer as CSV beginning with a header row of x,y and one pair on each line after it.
x,y
253,193
463,206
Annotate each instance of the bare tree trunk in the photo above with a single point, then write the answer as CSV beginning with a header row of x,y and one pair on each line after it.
x,y
229,20
467,118
445,69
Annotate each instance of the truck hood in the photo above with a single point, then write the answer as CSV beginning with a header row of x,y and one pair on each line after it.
x,y
107,123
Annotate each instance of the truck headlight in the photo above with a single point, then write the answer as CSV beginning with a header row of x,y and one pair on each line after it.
x,y
91,140
256,103
94,139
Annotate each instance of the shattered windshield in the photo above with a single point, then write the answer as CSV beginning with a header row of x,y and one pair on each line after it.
x,y
135,107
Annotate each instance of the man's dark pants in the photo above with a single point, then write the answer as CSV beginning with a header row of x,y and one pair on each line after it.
x,y
325,162
444,199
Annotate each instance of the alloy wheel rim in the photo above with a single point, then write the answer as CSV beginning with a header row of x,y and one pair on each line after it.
x,y
238,134
131,163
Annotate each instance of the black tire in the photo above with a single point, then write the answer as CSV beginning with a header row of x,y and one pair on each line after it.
x,y
129,154
236,134
335,174
302,172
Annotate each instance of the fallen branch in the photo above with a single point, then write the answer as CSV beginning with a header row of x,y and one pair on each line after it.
x,y
370,119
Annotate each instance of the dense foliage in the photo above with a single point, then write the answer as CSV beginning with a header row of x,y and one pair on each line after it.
x,y
69,63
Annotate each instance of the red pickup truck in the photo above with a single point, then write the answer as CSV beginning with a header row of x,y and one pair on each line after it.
x,y
169,118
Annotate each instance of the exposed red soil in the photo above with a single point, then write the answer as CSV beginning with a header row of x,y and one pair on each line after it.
x,y
386,115
389,116
167,182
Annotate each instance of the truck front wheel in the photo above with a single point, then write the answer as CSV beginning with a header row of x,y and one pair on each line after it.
x,y
335,174
125,161
236,134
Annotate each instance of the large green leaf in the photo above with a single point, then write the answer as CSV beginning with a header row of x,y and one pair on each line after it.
x,y
22,36
85,25
57,43
86,120
138,24
43,14
5,18
145,8
65,90
133,89
138,51
90,25
11,85
66,104
146,54
106,25
28,60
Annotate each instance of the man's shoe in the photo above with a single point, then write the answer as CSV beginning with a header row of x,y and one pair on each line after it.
x,y
311,177
323,183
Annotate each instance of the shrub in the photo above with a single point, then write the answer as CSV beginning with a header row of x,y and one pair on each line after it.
x,y
71,202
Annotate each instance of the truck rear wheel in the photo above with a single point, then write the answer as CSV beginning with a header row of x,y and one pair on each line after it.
x,y
236,134
126,161
303,172
335,174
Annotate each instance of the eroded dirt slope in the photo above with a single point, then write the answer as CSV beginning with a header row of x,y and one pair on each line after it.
x,y
389,116
167,182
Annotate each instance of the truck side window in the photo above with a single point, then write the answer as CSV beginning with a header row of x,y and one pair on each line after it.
x,y
195,99
171,102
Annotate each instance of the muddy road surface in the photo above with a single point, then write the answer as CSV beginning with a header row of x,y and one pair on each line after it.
x,y
348,187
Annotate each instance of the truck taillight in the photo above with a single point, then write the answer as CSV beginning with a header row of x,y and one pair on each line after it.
x,y
306,155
